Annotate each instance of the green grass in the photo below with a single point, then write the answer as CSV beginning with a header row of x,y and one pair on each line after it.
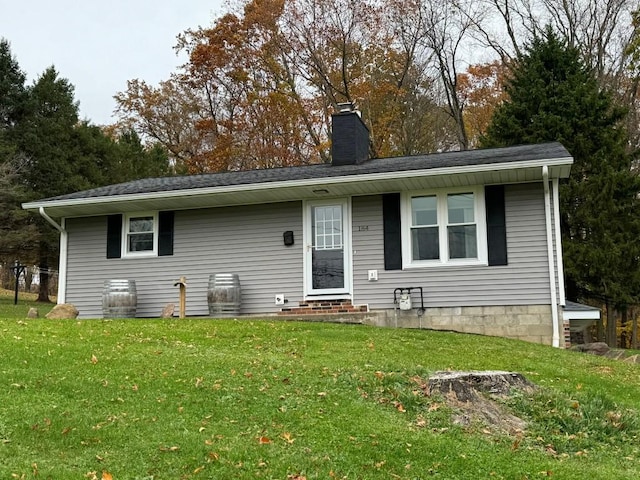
x,y
201,398
25,301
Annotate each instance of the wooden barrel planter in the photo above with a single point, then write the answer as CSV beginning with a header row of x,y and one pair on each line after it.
x,y
224,295
119,299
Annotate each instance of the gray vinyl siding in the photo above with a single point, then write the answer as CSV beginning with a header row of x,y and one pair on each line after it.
x,y
244,240
524,281
248,241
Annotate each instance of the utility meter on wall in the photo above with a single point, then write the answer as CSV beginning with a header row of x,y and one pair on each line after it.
x,y
405,302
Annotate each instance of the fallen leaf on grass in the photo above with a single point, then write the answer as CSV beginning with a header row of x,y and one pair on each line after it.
x,y
106,476
399,407
264,440
94,359
287,437
169,449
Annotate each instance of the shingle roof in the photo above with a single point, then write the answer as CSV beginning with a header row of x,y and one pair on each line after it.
x,y
381,165
579,307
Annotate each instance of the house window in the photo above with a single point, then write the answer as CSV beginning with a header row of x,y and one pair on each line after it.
x,y
444,228
140,234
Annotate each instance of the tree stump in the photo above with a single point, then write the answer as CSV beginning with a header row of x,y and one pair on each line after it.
x,y
466,385
473,395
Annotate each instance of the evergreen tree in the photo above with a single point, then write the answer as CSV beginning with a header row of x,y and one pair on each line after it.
x,y
45,151
554,97
45,138
12,89
16,228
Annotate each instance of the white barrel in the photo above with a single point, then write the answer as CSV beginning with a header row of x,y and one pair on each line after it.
x,y
224,295
119,299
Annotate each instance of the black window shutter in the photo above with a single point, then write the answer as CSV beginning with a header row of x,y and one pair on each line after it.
x,y
392,232
496,224
114,236
165,233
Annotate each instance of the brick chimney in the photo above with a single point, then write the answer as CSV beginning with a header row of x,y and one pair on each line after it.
x,y
349,137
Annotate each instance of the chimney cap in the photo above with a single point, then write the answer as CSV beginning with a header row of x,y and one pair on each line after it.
x,y
344,107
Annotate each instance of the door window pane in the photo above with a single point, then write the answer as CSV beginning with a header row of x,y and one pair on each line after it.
x,y
327,227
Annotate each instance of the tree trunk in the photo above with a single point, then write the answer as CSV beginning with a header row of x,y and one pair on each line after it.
x,y
6,276
28,279
634,333
600,332
43,293
624,318
612,336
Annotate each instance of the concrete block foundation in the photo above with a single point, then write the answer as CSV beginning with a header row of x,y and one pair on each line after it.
x,y
532,323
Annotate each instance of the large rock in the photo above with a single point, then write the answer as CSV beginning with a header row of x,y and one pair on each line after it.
x,y
168,310
633,359
62,311
595,348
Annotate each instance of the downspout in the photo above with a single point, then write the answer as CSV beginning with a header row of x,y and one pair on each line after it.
x,y
552,273
559,259
62,267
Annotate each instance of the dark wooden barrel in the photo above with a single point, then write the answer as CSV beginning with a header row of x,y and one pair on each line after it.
x,y
119,299
224,295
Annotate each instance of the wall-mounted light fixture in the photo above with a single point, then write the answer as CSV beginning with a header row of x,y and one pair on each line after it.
x,y
287,237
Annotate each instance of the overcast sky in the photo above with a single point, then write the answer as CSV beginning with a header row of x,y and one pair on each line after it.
x,y
98,45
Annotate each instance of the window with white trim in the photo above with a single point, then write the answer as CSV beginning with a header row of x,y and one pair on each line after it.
x,y
444,227
140,234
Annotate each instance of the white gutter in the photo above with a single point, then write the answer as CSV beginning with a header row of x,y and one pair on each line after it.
x,y
307,182
559,260
62,267
552,274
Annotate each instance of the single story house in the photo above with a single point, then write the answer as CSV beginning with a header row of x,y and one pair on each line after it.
x,y
466,241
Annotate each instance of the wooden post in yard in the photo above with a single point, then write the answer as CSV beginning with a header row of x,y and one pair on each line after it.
x,y
182,283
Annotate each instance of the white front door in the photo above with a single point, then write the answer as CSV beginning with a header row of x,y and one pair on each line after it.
x,y
328,248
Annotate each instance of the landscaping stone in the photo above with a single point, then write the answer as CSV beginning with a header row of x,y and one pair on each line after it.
x,y
595,348
62,311
168,310
616,354
32,313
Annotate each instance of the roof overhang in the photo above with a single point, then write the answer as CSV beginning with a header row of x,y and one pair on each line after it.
x,y
296,190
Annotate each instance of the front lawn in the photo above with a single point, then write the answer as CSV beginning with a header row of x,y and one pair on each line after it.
x,y
201,398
